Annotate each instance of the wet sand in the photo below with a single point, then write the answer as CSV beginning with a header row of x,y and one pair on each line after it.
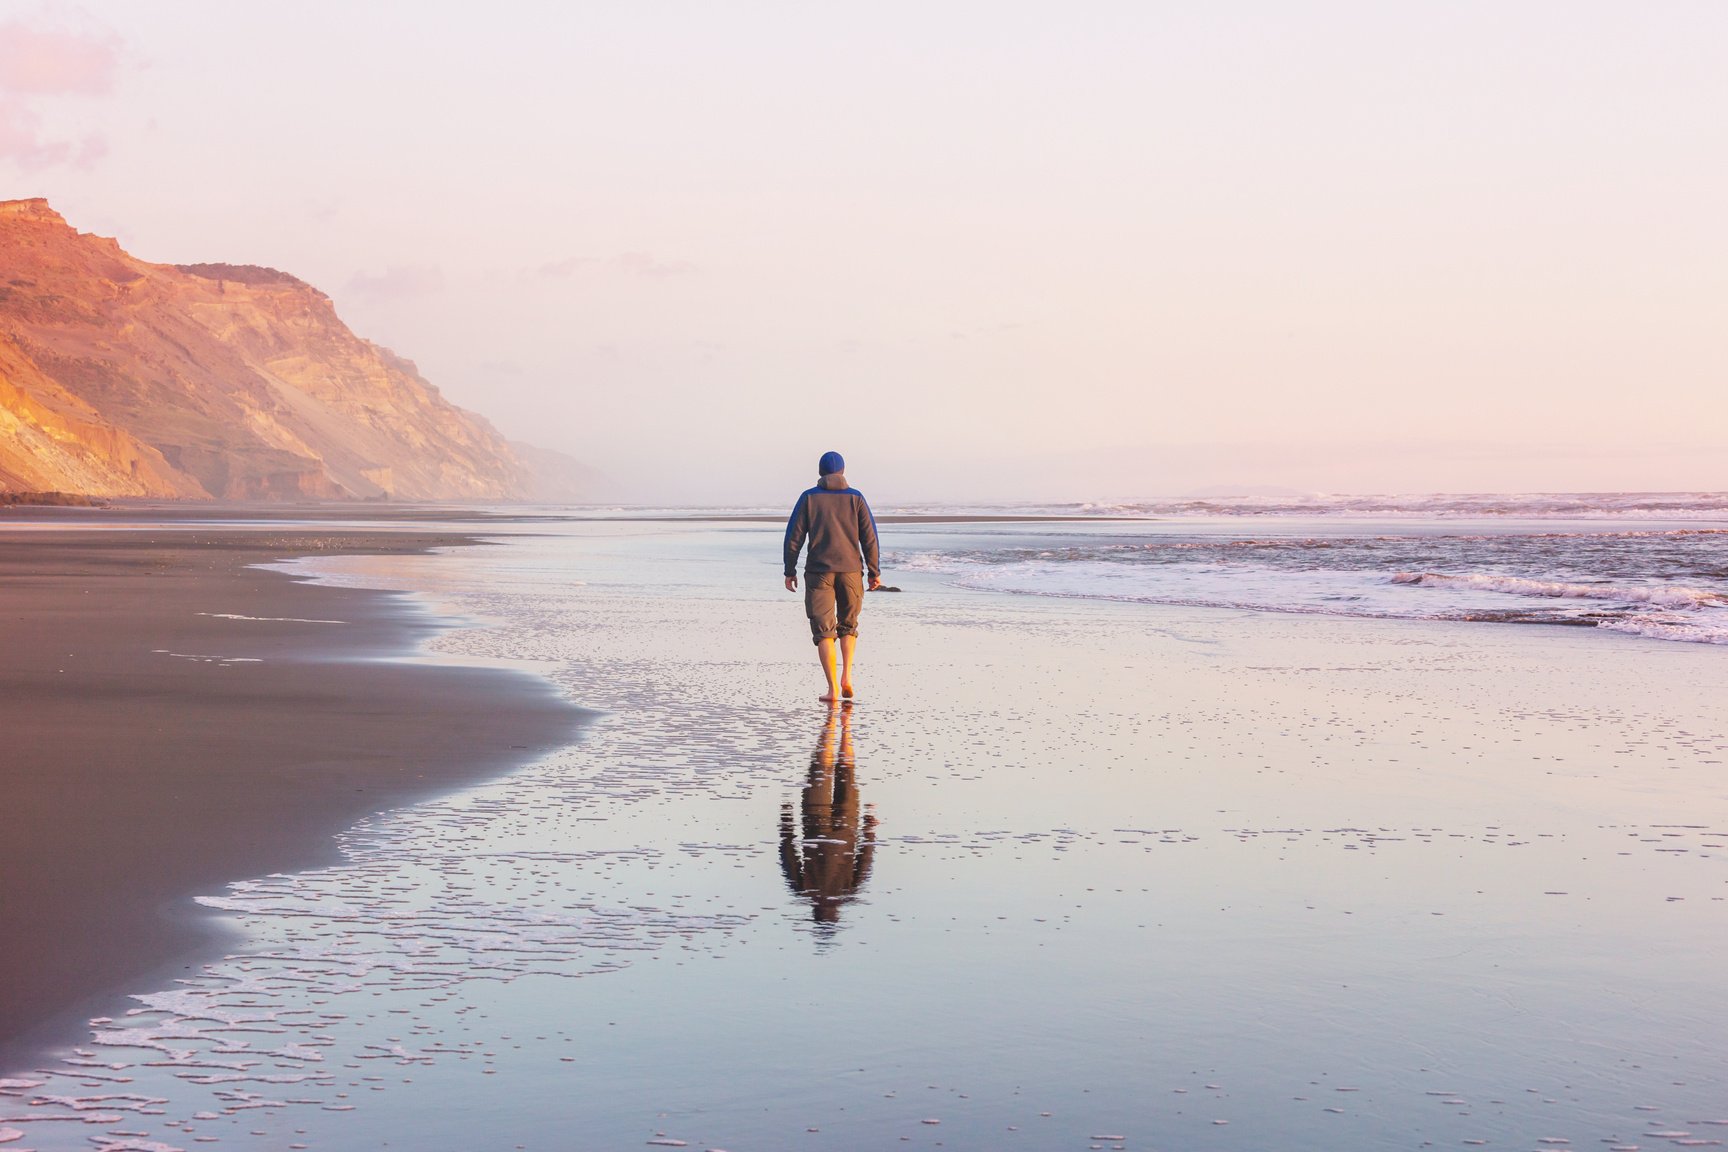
x,y
158,745
1198,878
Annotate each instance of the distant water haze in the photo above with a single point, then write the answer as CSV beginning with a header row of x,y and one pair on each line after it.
x,y
1009,249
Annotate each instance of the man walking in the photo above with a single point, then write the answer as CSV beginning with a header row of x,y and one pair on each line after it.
x,y
836,520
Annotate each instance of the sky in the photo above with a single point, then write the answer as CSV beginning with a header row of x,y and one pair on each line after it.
x,y
988,250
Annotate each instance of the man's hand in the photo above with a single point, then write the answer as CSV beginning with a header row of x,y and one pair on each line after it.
x,y
791,583
875,583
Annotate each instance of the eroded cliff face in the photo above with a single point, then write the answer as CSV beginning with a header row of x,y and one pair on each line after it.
x,y
211,381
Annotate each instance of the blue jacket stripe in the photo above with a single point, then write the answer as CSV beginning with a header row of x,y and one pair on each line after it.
x,y
794,540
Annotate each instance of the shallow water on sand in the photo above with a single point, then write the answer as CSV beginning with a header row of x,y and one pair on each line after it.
x,y
1070,874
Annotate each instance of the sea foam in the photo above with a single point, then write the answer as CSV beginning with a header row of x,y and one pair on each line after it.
x,y
1665,596
1663,584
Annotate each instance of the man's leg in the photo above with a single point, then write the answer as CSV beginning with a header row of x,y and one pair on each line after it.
x,y
848,603
819,606
848,645
825,653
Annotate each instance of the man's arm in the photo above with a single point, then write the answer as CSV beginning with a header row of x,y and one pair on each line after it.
x,y
867,541
797,527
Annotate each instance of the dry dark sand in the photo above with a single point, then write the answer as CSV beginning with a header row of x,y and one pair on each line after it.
x,y
132,778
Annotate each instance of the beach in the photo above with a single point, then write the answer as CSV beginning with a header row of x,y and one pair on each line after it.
x,y
1073,872
176,718
1288,713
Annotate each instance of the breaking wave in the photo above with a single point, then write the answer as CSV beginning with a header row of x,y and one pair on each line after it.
x,y
1665,585
1664,597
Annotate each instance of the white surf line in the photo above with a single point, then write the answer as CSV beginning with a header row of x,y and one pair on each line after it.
x,y
268,619
210,659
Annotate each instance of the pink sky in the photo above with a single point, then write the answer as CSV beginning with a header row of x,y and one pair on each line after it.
x,y
985,249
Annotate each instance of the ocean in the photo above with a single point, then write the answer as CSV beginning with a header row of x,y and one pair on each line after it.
x,y
1626,570
1220,829
1650,564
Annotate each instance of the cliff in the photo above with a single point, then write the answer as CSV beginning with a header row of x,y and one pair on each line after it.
x,y
211,381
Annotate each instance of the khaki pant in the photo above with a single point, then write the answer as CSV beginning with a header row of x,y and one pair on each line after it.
x,y
832,600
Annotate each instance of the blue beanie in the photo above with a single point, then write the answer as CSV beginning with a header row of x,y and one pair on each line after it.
x,y
831,462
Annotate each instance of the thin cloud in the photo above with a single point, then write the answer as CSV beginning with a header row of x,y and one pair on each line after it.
x,y
625,263
644,264
399,281
38,64
23,141
45,62
561,269
90,149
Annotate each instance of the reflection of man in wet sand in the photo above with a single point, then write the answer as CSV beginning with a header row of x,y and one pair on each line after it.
x,y
835,518
835,859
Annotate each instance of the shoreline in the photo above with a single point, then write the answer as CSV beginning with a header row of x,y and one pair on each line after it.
x,y
1344,870
178,720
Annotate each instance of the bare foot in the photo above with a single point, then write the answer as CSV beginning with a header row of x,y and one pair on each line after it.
x,y
846,688
828,697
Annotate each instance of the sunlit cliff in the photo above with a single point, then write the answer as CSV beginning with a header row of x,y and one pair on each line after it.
x,y
211,381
